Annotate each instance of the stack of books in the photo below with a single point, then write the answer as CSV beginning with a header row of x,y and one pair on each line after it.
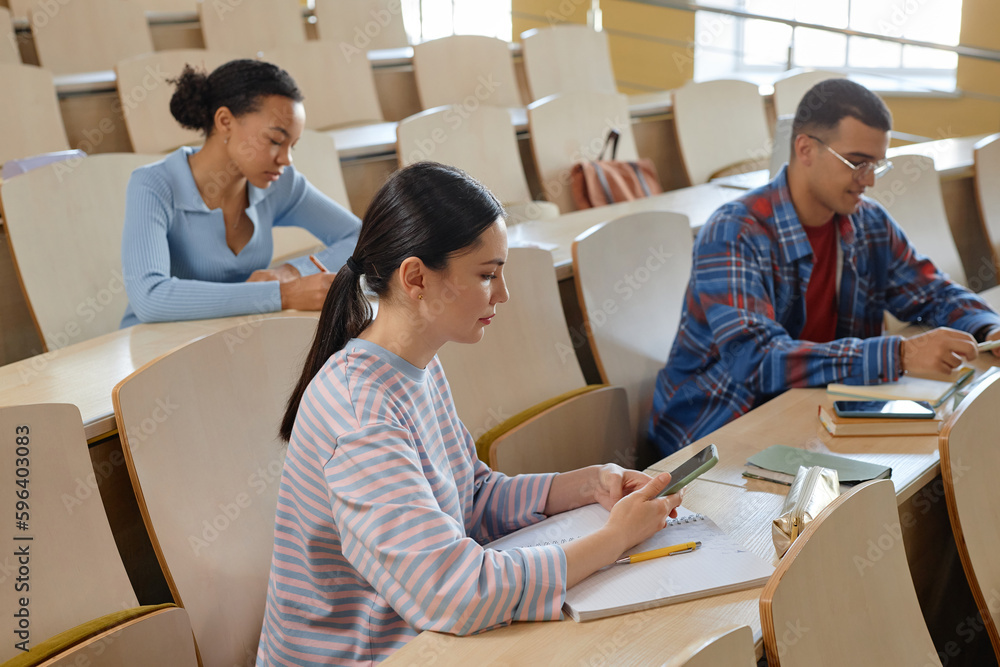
x,y
850,426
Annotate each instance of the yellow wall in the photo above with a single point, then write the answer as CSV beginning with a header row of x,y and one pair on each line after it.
x,y
650,50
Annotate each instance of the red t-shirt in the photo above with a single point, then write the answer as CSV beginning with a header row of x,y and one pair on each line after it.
x,y
821,294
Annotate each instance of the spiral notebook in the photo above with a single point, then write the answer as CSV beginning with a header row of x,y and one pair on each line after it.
x,y
719,566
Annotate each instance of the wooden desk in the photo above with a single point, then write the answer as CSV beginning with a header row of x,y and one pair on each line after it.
x,y
697,202
743,508
85,373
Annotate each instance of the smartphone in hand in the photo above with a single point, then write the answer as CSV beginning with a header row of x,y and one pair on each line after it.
x,y
686,472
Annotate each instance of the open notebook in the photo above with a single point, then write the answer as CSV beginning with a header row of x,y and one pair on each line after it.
x,y
719,566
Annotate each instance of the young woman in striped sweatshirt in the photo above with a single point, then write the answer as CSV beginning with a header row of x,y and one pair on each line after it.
x,y
197,237
383,506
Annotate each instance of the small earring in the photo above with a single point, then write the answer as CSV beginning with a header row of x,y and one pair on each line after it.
x,y
420,296
226,141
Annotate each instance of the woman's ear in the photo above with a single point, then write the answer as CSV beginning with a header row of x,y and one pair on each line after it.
x,y
224,121
413,277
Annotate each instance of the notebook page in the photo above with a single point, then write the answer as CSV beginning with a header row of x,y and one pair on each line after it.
x,y
719,566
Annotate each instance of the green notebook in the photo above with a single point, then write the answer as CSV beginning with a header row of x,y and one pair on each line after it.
x,y
785,461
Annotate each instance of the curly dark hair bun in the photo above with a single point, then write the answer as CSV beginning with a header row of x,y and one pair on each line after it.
x,y
239,85
189,103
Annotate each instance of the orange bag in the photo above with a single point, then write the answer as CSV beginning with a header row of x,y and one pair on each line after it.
x,y
600,182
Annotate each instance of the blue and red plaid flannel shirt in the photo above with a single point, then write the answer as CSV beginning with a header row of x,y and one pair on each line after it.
x,y
737,342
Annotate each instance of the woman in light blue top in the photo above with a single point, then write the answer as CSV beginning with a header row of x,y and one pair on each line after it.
x,y
197,237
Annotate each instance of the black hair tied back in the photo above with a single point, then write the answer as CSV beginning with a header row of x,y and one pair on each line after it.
x,y
239,85
190,103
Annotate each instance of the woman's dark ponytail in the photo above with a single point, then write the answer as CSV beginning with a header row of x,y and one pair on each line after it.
x,y
346,312
426,210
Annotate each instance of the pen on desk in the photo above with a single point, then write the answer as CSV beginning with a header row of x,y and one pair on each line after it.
x,y
750,475
319,264
657,553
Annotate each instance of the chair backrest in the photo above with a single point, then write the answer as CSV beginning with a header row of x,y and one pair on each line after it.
x,y
567,59
527,352
206,472
732,648
145,95
789,89
587,429
33,111
250,26
782,151
483,142
571,127
361,24
158,638
850,558
9,53
911,192
88,36
465,69
719,124
987,162
64,223
68,557
338,90
317,159
969,458
631,277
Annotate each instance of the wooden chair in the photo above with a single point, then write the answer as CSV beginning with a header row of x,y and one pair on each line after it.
x,y
339,91
64,224
33,111
70,560
721,126
987,163
158,636
89,36
482,142
9,53
465,69
144,92
571,127
206,474
911,192
789,89
361,24
317,159
585,429
567,59
731,648
251,26
631,325
527,352
850,558
969,459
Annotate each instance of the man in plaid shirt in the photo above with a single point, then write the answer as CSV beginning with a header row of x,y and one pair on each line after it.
x,y
789,283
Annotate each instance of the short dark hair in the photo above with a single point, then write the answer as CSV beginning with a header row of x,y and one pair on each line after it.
x,y
239,85
826,103
426,210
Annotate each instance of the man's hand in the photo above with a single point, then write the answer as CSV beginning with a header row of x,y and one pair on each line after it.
x,y
940,350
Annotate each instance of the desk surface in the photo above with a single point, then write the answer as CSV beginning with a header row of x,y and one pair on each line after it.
x,y
743,508
85,373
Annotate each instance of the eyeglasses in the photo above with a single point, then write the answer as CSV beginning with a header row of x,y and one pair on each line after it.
x,y
862,169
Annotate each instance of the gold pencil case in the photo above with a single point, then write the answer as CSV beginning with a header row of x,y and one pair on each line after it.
x,y
812,489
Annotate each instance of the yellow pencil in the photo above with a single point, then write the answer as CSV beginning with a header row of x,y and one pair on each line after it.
x,y
658,553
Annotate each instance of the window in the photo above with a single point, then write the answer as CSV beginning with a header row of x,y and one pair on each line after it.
x,y
431,19
761,50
